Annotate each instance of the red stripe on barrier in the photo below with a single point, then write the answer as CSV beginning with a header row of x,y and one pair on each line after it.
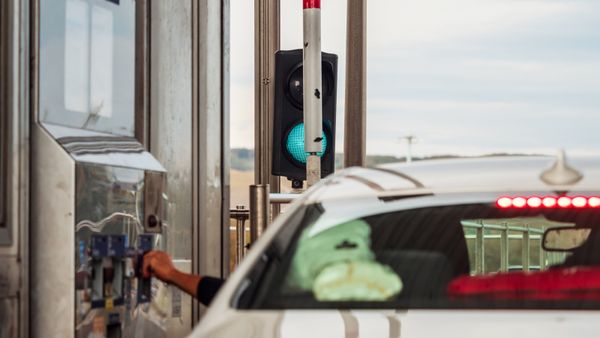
x,y
312,3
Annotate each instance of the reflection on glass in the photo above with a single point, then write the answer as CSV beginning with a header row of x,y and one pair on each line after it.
x,y
88,90
565,239
110,202
87,64
77,57
102,51
103,191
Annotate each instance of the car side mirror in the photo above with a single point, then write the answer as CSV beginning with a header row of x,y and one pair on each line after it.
x,y
565,238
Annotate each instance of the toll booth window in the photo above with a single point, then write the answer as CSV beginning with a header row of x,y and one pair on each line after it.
x,y
87,64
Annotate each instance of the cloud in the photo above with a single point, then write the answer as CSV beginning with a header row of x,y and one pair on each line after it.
x,y
464,76
482,76
409,22
465,127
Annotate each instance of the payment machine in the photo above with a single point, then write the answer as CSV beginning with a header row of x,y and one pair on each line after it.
x,y
98,197
118,218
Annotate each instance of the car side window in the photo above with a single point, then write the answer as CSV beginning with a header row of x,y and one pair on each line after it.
x,y
392,258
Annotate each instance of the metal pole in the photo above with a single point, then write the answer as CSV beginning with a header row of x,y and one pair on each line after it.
x,y
355,123
259,210
504,249
240,242
542,255
480,251
241,216
313,107
525,250
410,139
266,43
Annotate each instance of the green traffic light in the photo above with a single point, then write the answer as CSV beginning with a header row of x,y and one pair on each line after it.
x,y
294,144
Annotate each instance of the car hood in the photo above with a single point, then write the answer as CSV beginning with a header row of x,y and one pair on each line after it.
x,y
405,324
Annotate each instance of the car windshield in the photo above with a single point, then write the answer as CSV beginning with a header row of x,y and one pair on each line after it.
x,y
470,255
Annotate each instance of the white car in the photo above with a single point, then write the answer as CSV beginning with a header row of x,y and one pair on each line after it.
x,y
480,247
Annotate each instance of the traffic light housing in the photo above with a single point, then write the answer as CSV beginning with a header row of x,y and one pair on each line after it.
x,y
289,157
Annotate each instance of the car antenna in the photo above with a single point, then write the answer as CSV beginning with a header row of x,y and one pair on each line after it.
x,y
561,173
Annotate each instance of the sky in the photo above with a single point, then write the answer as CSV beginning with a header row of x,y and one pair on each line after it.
x,y
465,77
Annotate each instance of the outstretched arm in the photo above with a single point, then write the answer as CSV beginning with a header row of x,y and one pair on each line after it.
x,y
159,264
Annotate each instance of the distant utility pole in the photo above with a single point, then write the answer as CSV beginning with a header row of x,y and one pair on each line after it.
x,y
410,139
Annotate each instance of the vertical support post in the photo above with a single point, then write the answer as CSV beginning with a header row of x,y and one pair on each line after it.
x,y
542,255
259,210
504,249
355,122
240,225
410,140
313,107
209,125
225,124
525,250
480,251
240,214
17,88
142,72
266,43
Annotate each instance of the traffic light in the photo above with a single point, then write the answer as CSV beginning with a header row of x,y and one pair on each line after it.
x,y
289,157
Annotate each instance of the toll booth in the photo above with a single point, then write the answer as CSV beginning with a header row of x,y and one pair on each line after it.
x,y
97,196
110,148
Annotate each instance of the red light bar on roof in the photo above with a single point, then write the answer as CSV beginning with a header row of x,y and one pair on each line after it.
x,y
535,202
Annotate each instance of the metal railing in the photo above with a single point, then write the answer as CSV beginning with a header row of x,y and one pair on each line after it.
x,y
526,235
246,225
238,219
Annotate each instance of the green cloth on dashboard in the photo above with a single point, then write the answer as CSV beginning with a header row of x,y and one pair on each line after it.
x,y
356,281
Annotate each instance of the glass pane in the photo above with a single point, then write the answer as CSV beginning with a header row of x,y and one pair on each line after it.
x,y
87,64
104,191
523,236
242,125
109,202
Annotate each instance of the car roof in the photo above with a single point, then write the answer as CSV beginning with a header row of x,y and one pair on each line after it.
x,y
459,175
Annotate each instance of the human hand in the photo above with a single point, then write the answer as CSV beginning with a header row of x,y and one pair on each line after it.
x,y
159,264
